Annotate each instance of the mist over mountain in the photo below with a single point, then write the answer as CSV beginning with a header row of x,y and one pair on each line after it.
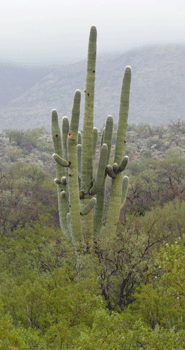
x,y
28,94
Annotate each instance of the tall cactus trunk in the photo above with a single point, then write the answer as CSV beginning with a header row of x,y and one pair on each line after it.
x,y
87,141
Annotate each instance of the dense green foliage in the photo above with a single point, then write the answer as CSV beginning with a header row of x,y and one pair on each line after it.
x,y
129,297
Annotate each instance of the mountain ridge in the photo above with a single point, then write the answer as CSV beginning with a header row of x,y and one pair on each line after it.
x,y
157,89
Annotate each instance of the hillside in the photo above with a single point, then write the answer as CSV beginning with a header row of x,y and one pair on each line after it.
x,y
157,89
127,295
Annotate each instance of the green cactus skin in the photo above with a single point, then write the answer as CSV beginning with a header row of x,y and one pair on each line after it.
x,y
109,170
89,207
101,170
60,161
63,206
115,168
79,138
87,143
124,190
74,200
65,131
95,139
98,212
69,225
63,180
116,187
123,164
57,182
80,198
107,134
100,196
79,154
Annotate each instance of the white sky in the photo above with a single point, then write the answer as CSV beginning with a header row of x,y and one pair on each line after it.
x,y
51,31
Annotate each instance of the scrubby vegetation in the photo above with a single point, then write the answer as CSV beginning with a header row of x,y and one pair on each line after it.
x,y
130,297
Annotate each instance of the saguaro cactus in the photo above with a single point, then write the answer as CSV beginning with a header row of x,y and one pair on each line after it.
x,y
80,196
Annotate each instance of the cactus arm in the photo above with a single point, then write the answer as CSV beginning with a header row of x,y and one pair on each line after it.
x,y
102,135
115,167
79,154
124,190
60,161
95,139
86,210
123,116
98,212
65,131
79,138
107,134
74,201
109,170
56,136
101,170
63,206
99,207
123,164
87,141
116,188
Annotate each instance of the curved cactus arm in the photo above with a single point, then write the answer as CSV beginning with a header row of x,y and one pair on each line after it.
x,y
95,139
86,210
60,161
115,167
63,205
74,200
109,170
123,164
124,190
87,141
101,170
116,188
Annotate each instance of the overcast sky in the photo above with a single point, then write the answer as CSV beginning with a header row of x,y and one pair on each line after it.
x,y
52,31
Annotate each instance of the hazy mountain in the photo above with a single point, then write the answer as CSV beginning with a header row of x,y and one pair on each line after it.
x,y
157,89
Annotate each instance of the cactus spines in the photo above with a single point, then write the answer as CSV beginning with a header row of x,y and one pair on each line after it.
x,y
80,197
